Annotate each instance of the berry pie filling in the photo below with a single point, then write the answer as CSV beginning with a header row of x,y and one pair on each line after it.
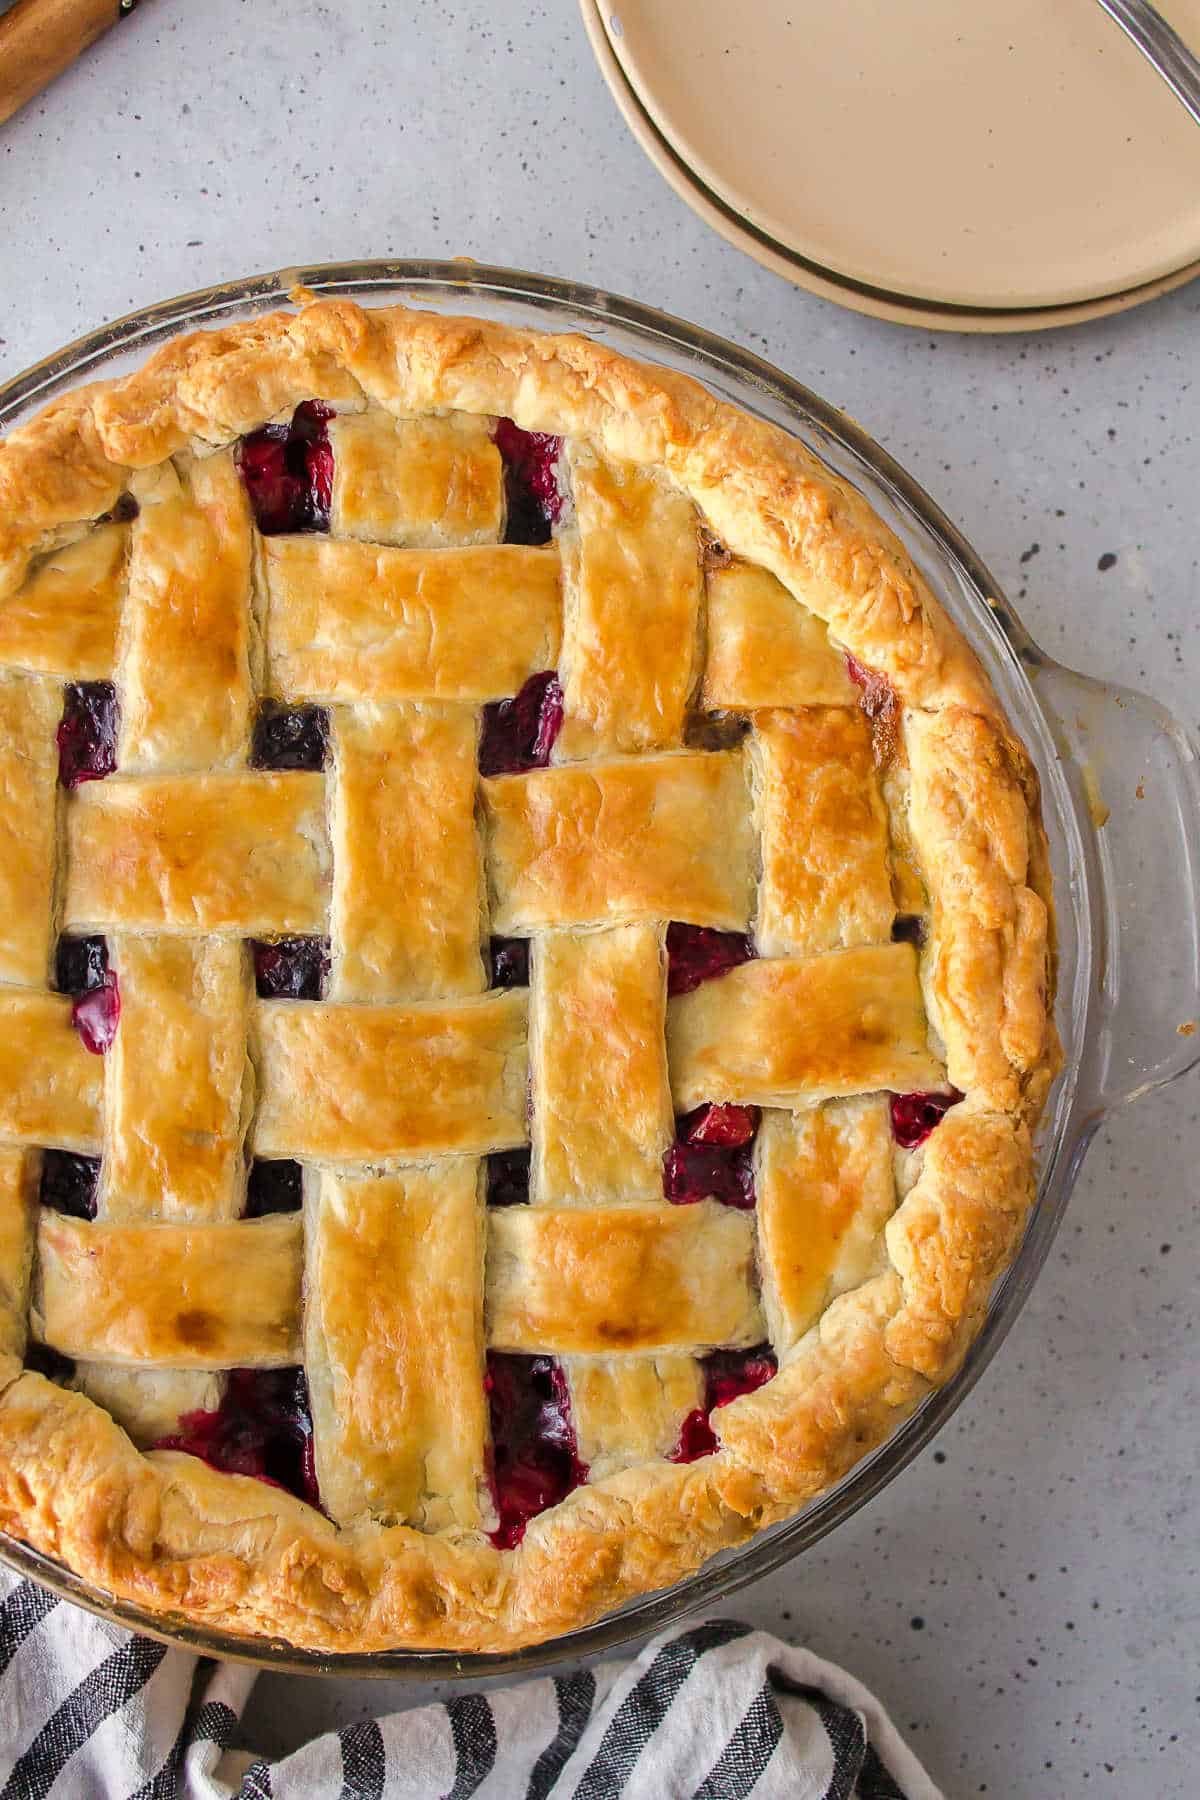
x,y
87,733
294,968
535,1456
519,734
81,970
263,1427
508,1177
727,1375
712,1157
40,1359
274,1187
914,1116
909,928
534,499
290,737
696,954
80,964
96,1015
878,700
70,1183
510,962
287,471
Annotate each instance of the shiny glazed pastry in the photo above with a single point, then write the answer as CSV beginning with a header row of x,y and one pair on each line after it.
x,y
525,981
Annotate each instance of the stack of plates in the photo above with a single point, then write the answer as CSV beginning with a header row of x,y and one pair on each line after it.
x,y
997,166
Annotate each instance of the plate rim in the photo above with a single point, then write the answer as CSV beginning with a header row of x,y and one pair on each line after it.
x,y
914,311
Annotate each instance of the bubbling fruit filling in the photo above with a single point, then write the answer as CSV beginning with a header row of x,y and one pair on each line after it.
x,y
96,1015
81,969
87,732
695,954
275,1186
877,697
287,471
508,1177
40,1359
534,499
291,968
263,1427
914,1116
711,1157
535,1456
510,962
727,1375
80,964
70,1183
290,737
909,928
519,734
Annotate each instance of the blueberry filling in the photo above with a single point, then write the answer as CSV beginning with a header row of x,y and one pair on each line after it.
x,y
290,737
711,1158
263,1427
535,1456
914,1116
533,496
294,968
87,732
69,1183
274,1187
909,928
287,471
727,1374
508,1177
80,964
40,1359
510,962
696,954
519,734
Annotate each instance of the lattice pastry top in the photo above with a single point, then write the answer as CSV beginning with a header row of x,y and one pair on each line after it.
x,y
524,980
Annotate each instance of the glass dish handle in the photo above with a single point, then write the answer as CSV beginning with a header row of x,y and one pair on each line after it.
x,y
1135,774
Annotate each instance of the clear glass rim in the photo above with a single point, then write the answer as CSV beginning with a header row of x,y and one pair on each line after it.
x,y
1062,1151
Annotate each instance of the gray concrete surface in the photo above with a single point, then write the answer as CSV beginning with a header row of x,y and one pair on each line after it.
x,y
1025,1597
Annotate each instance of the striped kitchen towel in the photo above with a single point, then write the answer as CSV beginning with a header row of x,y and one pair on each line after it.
x,y
91,1712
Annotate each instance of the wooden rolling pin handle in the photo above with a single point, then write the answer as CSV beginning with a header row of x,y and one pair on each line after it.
x,y
41,38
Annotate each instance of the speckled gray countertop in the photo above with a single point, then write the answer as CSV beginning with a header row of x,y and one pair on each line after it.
x,y
1025,1596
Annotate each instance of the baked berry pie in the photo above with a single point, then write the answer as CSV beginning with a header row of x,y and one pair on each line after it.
x,y
525,979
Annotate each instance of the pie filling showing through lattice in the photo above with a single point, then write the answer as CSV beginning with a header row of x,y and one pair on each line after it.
x,y
460,1004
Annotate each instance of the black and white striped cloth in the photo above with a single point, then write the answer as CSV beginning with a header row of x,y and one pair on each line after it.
x,y
716,1711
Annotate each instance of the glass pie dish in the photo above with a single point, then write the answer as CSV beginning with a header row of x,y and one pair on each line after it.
x,y
1121,787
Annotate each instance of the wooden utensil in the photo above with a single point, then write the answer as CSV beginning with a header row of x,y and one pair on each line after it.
x,y
41,38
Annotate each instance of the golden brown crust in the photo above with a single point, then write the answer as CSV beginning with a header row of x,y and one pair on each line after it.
x,y
587,1280
403,822
797,1030
603,1121
826,882
645,837
171,1534
412,1081
632,604
350,621
394,1345
188,1296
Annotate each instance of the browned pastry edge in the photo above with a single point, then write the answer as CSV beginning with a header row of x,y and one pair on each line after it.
x,y
175,1536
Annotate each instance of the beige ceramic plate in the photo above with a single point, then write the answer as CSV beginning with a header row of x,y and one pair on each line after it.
x,y
899,308
1000,154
